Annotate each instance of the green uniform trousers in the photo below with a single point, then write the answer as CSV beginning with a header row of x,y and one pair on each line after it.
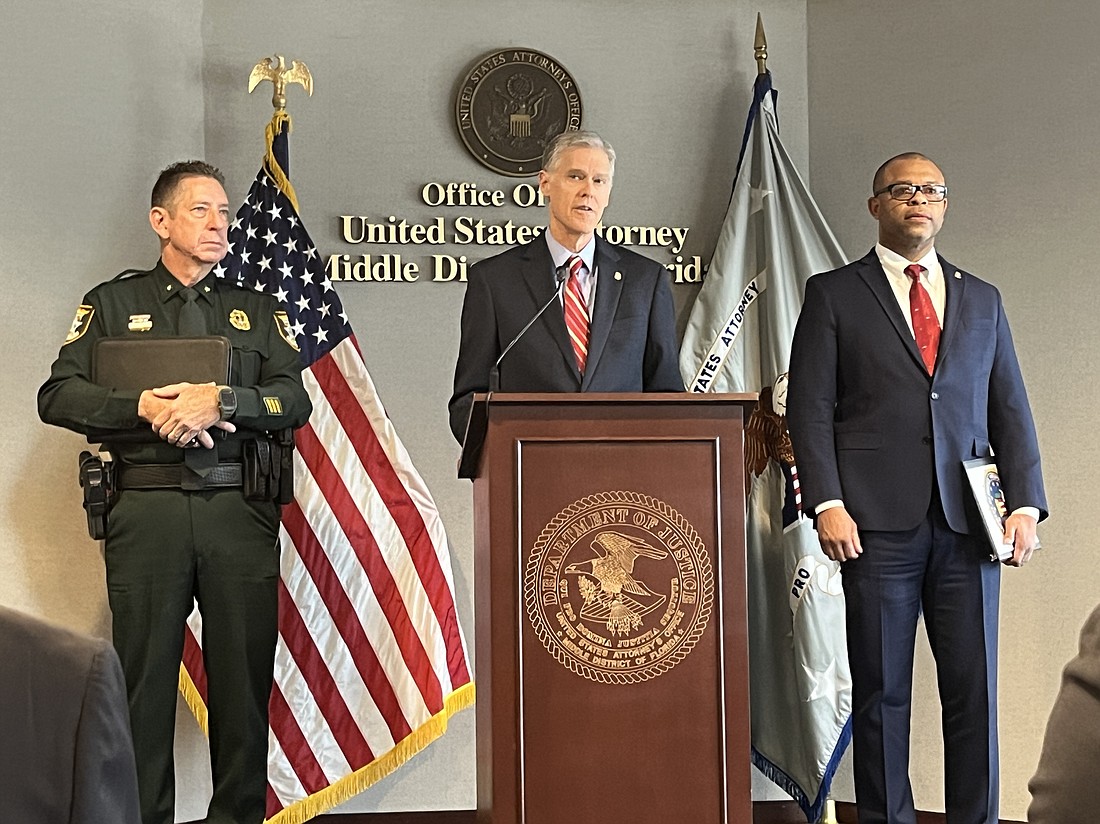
x,y
165,547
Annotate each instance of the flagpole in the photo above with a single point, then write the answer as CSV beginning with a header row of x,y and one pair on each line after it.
x,y
760,53
760,46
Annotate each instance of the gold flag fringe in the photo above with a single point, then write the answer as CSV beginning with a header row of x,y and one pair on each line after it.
x,y
355,783
194,701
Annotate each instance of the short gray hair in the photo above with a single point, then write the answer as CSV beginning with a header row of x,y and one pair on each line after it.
x,y
574,139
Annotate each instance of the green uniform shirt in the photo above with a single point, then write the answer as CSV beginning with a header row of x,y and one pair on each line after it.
x,y
265,370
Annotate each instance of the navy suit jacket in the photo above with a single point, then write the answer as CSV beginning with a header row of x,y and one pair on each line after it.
x,y
66,756
632,337
871,427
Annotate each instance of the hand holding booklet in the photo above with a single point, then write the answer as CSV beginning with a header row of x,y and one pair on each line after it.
x,y
985,484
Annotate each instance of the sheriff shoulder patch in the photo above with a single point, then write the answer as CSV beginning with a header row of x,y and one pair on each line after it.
x,y
282,322
81,322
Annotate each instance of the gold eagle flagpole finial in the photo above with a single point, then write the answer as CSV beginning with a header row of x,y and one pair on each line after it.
x,y
760,47
275,70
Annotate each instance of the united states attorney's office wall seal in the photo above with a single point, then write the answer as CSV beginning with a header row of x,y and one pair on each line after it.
x,y
618,587
511,104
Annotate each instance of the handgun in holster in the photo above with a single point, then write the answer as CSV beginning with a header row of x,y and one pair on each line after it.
x,y
97,479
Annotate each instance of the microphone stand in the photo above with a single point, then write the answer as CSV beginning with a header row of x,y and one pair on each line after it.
x,y
560,275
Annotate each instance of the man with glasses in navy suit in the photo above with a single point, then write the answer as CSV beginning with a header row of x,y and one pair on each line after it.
x,y
902,367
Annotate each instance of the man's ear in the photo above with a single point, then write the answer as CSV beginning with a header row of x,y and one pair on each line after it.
x,y
873,206
158,219
543,178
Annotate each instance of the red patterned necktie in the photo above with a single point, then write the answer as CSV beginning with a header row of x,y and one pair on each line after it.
x,y
926,326
576,312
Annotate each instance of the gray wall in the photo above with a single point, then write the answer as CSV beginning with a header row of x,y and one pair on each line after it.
x,y
85,120
104,97
671,97
1007,100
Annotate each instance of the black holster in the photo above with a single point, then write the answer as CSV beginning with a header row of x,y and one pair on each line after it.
x,y
97,479
268,467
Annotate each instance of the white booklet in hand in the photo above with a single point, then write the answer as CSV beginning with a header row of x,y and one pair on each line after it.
x,y
985,483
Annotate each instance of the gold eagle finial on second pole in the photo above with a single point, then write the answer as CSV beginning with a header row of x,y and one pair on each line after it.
x,y
275,70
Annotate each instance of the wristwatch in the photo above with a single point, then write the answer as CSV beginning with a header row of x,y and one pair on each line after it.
x,y
227,402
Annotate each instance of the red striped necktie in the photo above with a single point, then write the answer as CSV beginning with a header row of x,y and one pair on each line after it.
x,y
576,312
926,326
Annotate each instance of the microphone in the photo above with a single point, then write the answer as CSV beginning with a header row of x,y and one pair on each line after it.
x,y
560,274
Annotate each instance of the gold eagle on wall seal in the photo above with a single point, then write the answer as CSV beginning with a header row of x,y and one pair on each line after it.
x,y
510,104
618,587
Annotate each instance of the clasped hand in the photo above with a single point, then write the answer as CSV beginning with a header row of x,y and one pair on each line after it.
x,y
182,413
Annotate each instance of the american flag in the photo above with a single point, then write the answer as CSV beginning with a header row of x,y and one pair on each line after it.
x,y
371,661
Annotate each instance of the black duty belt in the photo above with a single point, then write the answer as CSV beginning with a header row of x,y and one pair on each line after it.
x,y
176,476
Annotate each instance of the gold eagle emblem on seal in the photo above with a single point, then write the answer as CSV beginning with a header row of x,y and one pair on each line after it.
x,y
619,587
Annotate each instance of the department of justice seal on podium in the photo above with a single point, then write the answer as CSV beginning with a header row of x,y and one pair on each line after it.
x,y
618,587
511,104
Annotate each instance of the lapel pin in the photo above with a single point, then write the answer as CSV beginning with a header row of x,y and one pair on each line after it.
x,y
618,276
958,276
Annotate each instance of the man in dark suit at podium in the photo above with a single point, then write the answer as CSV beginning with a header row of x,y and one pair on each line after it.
x,y
613,329
65,750
902,366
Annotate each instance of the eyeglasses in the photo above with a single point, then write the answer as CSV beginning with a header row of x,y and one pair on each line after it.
x,y
933,192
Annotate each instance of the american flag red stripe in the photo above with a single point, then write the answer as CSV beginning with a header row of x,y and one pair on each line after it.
x,y
371,661
366,549
406,515
192,662
342,610
293,742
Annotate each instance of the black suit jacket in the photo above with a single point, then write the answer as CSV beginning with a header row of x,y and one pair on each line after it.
x,y
66,756
632,341
870,426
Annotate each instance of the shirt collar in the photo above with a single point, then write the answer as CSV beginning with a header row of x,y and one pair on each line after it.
x,y
169,287
894,264
560,254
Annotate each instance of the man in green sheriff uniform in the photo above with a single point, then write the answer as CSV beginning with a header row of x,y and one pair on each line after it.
x,y
181,527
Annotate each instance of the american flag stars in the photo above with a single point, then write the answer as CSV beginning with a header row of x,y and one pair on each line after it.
x,y
268,239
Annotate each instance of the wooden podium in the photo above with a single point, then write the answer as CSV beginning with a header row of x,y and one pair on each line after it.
x,y
611,641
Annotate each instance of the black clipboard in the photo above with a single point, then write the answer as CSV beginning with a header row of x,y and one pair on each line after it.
x,y
133,362
139,363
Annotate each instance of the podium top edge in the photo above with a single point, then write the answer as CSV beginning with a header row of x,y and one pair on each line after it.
x,y
617,397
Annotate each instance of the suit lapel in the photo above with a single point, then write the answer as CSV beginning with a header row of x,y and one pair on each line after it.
x,y
609,288
538,275
871,271
954,285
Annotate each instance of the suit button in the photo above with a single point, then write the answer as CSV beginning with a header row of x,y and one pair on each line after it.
x,y
935,396
926,440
